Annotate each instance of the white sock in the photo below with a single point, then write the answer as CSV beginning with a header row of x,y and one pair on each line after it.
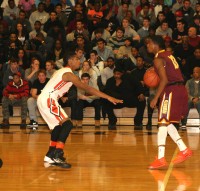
x,y
172,131
162,135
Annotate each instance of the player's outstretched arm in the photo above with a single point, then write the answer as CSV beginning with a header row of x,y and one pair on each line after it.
x,y
70,77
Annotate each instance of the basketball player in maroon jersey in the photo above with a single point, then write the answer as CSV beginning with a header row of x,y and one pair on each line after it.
x,y
56,118
173,105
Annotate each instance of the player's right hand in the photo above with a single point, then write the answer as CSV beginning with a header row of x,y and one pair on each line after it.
x,y
114,100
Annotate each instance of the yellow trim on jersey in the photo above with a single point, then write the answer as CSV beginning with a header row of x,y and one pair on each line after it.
x,y
159,52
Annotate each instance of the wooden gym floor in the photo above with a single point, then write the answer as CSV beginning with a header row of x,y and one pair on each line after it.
x,y
101,160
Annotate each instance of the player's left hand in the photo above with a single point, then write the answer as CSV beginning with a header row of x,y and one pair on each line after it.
x,y
114,100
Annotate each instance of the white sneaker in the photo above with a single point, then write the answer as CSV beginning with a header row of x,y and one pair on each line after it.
x,y
48,159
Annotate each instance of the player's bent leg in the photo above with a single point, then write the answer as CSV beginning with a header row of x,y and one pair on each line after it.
x,y
58,154
52,146
185,152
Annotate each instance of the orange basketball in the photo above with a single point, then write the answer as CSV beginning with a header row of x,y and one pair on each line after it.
x,y
151,78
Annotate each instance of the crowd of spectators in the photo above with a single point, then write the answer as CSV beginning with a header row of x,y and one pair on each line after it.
x,y
108,36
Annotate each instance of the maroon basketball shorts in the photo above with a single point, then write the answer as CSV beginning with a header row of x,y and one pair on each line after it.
x,y
173,104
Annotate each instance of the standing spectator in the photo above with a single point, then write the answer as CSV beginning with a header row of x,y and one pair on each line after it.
x,y
36,89
15,93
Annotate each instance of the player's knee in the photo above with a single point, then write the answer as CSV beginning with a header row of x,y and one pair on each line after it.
x,y
67,125
66,128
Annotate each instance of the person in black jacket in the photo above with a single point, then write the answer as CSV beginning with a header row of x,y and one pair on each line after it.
x,y
129,89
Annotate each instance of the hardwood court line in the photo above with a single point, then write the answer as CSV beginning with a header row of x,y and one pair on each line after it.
x,y
169,171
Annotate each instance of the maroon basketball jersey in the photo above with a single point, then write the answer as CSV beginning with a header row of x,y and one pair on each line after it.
x,y
171,66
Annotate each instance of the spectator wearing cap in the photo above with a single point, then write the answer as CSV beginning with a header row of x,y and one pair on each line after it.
x,y
164,30
187,11
168,41
15,93
176,6
179,32
103,51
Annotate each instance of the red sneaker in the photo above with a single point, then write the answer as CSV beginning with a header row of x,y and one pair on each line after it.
x,y
158,163
182,156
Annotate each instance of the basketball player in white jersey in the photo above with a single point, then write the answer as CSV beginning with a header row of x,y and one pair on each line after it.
x,y
55,116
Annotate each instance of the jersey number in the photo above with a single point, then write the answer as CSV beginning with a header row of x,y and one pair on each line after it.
x,y
175,63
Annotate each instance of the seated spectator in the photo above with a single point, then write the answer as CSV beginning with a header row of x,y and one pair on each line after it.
x,y
49,6
134,54
80,54
85,100
129,31
9,69
196,24
164,30
107,72
22,59
69,100
49,68
130,91
96,62
100,33
117,41
61,15
37,29
179,32
122,12
102,50
80,30
146,12
176,6
28,6
144,30
193,61
193,39
92,71
52,21
31,73
133,23
124,51
57,51
15,93
187,11
94,17
39,15
36,89
159,19
193,89
10,12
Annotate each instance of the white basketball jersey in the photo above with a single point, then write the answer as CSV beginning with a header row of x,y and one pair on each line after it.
x,y
56,87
